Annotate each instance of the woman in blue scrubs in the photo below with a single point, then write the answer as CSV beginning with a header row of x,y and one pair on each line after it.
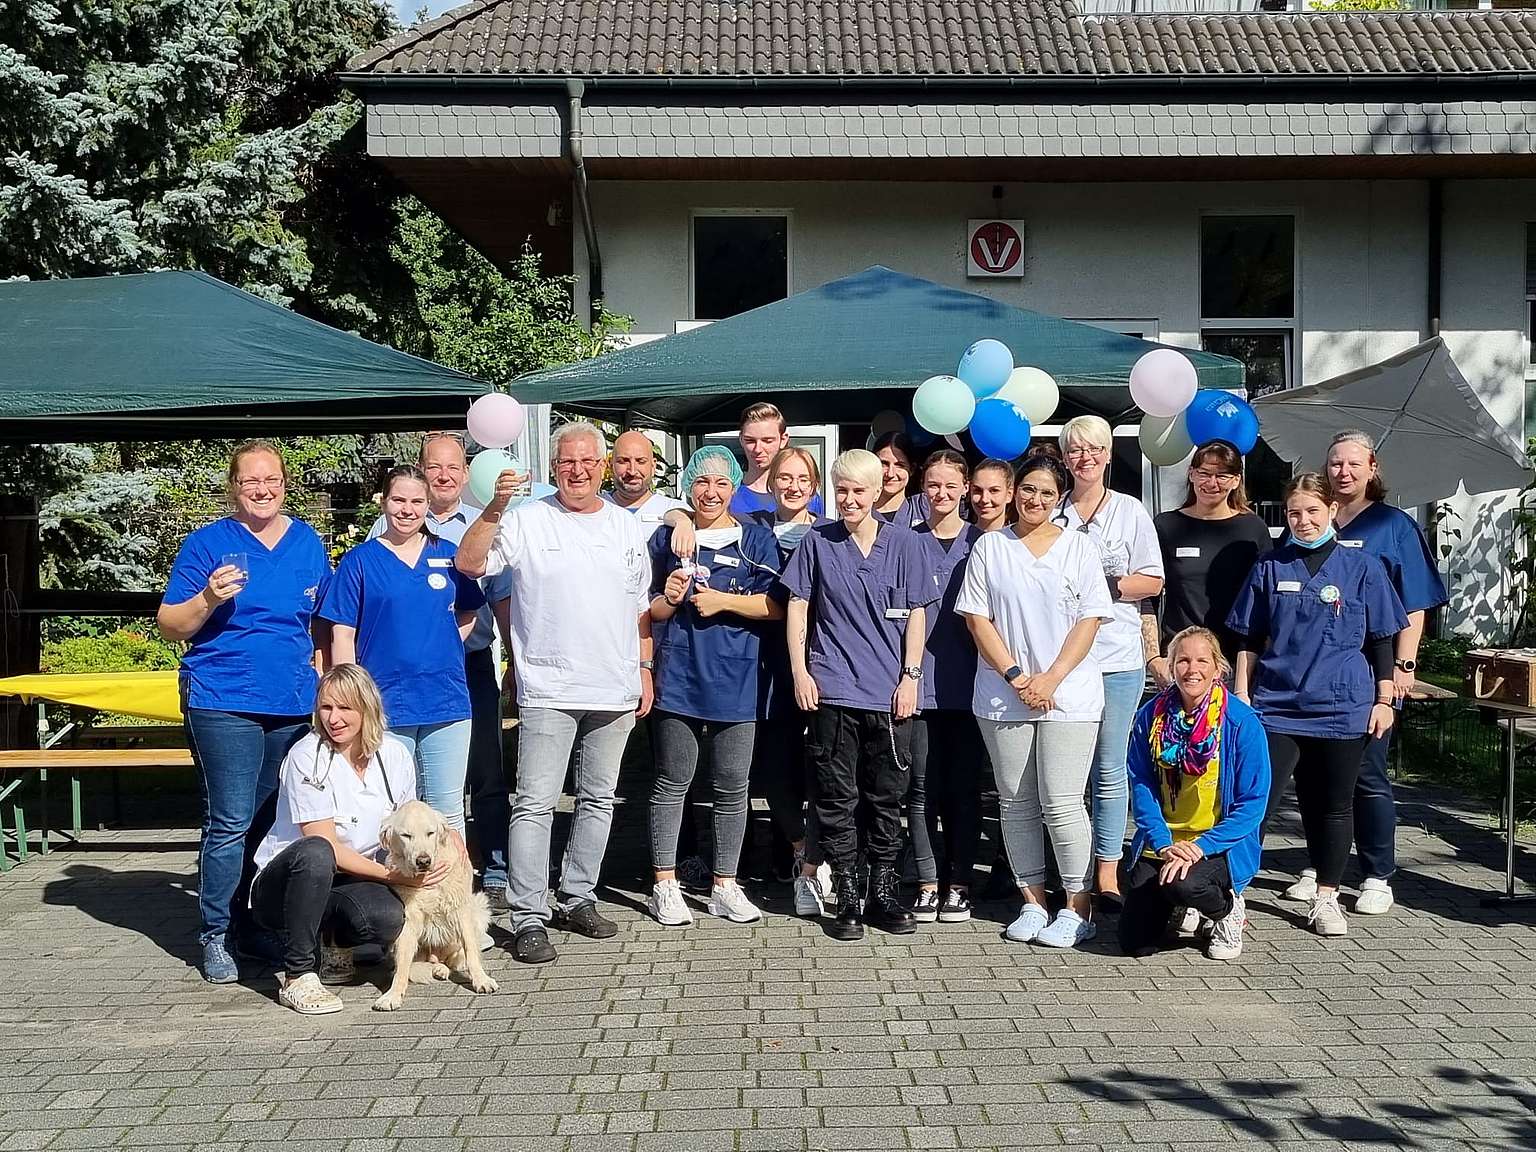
x,y
1366,522
711,612
242,594
1317,622
901,500
401,609
947,752
860,590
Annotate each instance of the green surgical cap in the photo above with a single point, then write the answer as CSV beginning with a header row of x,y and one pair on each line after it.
x,y
711,460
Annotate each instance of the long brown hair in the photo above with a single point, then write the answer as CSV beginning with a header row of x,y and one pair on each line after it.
x,y
950,458
793,452
406,472
1312,483
1226,457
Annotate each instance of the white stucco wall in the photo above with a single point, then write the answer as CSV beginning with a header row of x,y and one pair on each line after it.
x,y
1131,250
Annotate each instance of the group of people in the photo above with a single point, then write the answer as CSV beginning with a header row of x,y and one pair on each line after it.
x,y
862,655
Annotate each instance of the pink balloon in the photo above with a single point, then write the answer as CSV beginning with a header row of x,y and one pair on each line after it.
x,y
955,442
1163,382
496,420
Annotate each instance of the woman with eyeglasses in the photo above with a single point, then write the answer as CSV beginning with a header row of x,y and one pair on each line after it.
x,y
1208,546
400,608
242,595
1126,541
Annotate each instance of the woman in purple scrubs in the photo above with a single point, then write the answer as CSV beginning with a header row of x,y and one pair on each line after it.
x,y
859,591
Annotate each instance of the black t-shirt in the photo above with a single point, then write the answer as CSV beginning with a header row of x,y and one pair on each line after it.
x,y
1205,563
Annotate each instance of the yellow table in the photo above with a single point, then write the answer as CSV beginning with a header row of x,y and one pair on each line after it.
x,y
152,695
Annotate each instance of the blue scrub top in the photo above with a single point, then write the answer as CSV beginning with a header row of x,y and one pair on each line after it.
x,y
776,679
1393,537
1313,678
746,502
913,512
708,668
254,653
858,609
407,634
949,656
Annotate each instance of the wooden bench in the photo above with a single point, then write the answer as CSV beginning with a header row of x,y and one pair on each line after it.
x,y
23,762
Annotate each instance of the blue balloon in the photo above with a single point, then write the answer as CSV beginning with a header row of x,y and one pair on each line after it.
x,y
1218,415
985,367
999,429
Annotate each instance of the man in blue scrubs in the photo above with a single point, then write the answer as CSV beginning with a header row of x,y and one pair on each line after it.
x,y
763,433
449,517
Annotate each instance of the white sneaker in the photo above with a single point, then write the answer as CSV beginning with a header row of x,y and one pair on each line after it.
x,y
337,965
824,878
729,902
808,898
307,996
1186,921
1326,917
1226,942
667,906
1304,891
1375,898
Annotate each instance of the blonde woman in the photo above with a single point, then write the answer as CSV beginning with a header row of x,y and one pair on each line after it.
x,y
320,883
1126,540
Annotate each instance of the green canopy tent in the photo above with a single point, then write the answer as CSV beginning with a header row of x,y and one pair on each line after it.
x,y
182,356
843,351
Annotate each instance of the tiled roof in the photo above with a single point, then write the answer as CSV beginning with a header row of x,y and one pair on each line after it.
x,y
937,38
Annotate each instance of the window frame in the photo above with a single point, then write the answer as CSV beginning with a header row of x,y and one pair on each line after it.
x,y
1254,325
789,250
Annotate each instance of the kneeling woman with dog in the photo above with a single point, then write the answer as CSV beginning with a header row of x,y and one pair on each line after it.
x,y
319,883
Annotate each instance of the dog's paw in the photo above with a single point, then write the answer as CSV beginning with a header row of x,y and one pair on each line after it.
x,y
440,971
483,984
389,1002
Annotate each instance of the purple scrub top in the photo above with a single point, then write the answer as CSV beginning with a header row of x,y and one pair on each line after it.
x,y
949,656
858,607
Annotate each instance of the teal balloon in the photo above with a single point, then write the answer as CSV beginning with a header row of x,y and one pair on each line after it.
x,y
484,470
1218,415
943,404
1000,429
541,490
985,367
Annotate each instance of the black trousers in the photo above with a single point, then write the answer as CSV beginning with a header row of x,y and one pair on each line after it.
x,y
781,775
1325,771
947,755
858,761
1207,888
301,896
489,808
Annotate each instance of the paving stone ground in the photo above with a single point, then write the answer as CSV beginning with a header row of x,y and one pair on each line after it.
x,y
1417,1031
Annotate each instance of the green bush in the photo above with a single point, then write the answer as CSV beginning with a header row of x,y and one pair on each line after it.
x,y
122,651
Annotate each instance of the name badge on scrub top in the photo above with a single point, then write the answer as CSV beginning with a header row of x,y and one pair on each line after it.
x,y
727,561
1185,553
439,562
1288,586
1351,543
897,613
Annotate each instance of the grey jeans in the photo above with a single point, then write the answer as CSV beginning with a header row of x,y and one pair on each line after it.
x,y
677,740
1041,767
545,739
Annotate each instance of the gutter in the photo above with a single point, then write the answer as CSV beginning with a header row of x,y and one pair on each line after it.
x,y
575,89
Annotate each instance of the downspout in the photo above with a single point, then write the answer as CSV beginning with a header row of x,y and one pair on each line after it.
x,y
1436,245
575,89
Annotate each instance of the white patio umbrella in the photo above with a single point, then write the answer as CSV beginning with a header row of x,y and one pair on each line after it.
x,y
1431,430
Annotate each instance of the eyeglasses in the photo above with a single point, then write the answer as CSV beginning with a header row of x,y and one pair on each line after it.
x,y
585,464
254,483
1201,476
1086,451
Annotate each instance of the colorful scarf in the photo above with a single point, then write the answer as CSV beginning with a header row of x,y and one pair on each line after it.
x,y
1187,743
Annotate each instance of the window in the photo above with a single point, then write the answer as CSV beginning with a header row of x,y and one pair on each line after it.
x,y
1530,330
740,262
1248,295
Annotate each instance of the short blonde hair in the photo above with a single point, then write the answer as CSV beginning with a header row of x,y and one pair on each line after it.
x,y
857,465
1093,430
1223,668
354,688
762,410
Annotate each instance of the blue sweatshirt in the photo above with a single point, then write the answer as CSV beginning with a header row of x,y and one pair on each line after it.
x,y
1244,780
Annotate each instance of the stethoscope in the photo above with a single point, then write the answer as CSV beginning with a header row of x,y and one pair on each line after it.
x,y
1086,527
319,780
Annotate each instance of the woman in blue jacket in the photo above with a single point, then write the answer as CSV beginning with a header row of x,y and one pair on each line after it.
x,y
710,613
1199,774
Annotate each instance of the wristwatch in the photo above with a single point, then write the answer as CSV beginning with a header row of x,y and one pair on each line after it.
x,y
1013,673
647,665
1407,665
913,672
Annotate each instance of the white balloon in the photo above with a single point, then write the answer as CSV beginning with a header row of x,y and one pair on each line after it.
x,y
1163,382
1164,440
1032,391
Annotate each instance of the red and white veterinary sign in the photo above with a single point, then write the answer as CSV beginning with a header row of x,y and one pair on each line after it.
x,y
994,248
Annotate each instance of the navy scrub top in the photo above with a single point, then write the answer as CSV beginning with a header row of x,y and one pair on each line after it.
x,y
1394,538
254,653
707,668
949,654
1313,677
407,631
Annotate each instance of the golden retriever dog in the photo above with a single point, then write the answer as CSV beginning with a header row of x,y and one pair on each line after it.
x,y
444,923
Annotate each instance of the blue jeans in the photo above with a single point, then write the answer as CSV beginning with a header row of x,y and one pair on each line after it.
x,y
237,756
442,760
1111,795
487,782
1376,812
545,739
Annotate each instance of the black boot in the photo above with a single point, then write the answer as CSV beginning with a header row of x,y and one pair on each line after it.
x,y
885,909
846,925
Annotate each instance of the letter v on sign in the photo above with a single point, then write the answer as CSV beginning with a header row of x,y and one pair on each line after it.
x,y
994,248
